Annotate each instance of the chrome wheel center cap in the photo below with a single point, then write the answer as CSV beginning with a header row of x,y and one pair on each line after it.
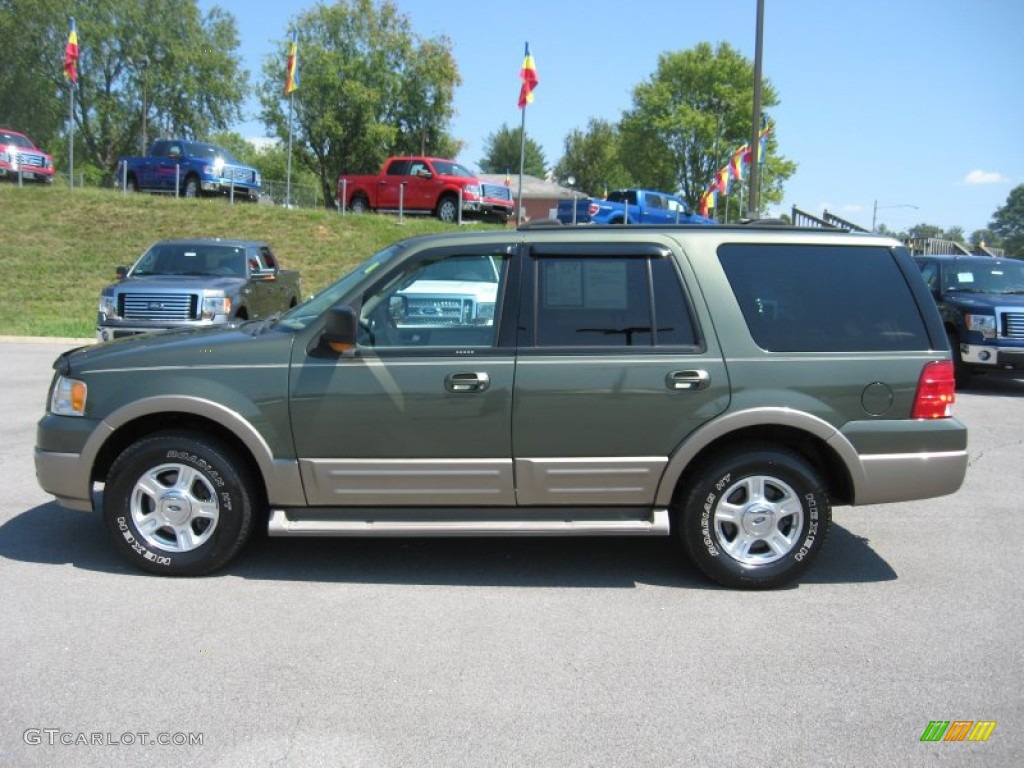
x,y
758,520
175,508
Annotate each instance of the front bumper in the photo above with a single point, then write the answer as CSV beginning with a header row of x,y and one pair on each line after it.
x,y
993,356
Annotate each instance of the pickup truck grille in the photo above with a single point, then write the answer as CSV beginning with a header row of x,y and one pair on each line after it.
x,y
157,306
239,174
1013,325
438,311
497,191
31,161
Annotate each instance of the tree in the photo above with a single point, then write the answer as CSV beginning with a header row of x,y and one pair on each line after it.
x,y
690,116
502,151
368,88
925,230
592,159
1008,223
157,63
984,237
954,233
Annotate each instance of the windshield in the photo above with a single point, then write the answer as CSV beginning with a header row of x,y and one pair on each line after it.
x,y
191,259
200,149
301,316
979,277
451,168
15,139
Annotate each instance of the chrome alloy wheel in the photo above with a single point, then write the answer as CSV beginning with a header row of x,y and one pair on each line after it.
x,y
174,508
758,520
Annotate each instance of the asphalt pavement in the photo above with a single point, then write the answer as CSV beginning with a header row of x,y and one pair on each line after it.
x,y
516,652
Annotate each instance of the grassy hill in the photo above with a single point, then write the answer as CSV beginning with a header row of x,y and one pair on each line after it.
x,y
59,247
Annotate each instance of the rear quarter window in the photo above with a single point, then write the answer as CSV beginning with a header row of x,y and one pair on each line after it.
x,y
823,298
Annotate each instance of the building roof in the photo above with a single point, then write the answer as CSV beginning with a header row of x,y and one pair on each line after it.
x,y
533,187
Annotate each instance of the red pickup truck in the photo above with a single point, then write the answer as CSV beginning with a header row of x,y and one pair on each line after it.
x,y
426,185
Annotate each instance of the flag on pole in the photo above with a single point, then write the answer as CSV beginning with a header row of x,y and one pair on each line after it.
x,y
71,55
291,80
508,178
739,158
721,182
762,149
528,74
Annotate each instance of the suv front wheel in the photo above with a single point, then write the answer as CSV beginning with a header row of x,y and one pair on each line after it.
x,y
755,517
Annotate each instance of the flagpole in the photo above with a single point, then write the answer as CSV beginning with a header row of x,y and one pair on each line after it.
x,y
71,135
522,161
288,184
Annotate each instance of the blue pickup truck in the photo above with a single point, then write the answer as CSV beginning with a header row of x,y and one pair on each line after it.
x,y
981,301
189,169
629,206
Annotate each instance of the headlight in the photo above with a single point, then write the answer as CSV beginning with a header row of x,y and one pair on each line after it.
x,y
983,324
68,397
215,305
485,313
108,306
471,191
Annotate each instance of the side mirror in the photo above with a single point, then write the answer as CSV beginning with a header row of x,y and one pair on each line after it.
x,y
121,272
341,328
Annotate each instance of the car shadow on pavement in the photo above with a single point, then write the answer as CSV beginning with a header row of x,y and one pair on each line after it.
x,y
49,534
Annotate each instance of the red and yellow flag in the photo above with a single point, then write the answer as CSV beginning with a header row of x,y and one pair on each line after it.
x,y
291,78
71,55
528,74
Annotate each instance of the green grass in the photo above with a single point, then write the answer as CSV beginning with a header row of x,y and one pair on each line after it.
x,y
59,247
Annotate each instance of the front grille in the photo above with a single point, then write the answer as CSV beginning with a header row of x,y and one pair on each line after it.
x,y
30,161
1013,325
239,174
157,306
446,310
497,191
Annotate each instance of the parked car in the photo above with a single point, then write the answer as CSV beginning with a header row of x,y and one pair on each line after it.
x,y
193,283
629,206
726,384
21,159
981,301
425,185
190,169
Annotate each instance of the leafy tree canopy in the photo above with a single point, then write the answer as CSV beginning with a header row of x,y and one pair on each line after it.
x,y
690,116
368,88
1008,223
592,159
502,152
158,63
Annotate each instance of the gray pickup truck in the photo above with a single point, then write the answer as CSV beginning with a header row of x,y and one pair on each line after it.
x,y
195,283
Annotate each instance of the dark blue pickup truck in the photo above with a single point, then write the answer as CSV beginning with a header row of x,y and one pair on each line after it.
x,y
189,169
981,301
629,206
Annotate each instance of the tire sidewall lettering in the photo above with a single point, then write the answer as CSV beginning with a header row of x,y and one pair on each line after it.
x,y
137,546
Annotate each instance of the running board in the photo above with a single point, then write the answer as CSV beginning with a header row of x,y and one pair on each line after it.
x,y
302,522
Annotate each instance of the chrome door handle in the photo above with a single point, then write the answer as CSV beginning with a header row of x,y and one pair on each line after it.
x,y
467,382
688,380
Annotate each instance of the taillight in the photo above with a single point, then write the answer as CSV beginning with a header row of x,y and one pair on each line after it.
x,y
935,391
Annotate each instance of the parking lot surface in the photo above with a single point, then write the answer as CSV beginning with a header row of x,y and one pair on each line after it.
x,y
515,652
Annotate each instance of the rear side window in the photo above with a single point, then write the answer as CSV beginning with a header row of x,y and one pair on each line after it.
x,y
823,298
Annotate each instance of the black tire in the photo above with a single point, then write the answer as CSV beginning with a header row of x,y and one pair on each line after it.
x,y
359,204
178,504
448,209
755,517
961,372
192,186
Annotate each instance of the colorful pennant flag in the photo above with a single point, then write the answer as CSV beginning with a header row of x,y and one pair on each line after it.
x,y
740,157
71,55
291,80
508,178
528,74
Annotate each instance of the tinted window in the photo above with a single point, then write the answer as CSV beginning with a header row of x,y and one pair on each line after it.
x,y
607,302
821,298
398,168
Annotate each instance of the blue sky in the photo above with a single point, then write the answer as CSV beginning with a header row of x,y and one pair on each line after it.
x,y
913,106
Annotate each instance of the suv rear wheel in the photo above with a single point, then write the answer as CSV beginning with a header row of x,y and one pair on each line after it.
x,y
755,517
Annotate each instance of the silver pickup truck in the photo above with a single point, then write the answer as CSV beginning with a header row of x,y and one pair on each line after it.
x,y
195,283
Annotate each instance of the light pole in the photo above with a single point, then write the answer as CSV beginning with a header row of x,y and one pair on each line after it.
x,y
141,64
874,213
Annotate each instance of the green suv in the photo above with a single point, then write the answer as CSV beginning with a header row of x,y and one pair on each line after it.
x,y
727,385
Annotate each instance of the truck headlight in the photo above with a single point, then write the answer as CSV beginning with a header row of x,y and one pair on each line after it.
x,y
983,324
215,305
471,192
68,397
108,306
